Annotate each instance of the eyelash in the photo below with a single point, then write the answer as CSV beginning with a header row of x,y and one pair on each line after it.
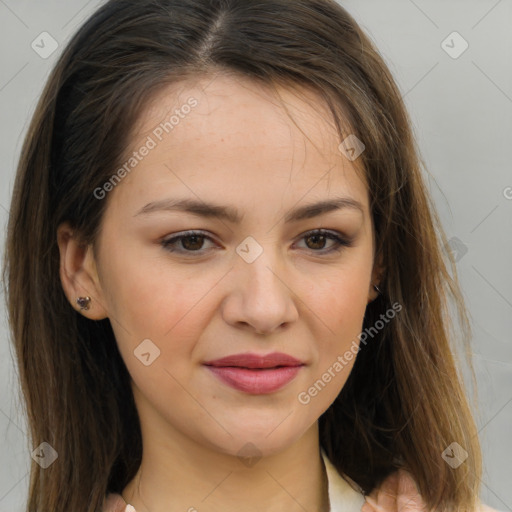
x,y
340,241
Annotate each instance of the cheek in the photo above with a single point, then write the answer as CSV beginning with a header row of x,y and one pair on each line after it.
x,y
147,300
160,313
148,296
339,303
339,299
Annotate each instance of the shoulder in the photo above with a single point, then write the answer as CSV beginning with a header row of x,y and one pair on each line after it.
x,y
115,503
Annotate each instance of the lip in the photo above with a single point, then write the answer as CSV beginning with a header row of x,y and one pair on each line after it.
x,y
256,374
250,360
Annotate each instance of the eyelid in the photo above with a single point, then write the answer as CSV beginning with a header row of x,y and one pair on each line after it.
x,y
341,239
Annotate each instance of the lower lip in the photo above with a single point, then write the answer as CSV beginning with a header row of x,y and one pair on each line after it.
x,y
255,381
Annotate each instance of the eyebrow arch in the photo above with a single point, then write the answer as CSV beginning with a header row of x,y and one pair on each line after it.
x,y
228,213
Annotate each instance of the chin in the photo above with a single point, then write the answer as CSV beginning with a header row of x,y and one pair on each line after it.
x,y
261,437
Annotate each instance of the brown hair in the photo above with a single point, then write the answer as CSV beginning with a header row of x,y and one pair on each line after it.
x,y
404,401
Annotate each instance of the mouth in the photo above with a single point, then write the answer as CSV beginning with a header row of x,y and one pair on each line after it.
x,y
256,374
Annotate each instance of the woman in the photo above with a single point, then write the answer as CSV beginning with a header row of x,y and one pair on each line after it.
x,y
225,281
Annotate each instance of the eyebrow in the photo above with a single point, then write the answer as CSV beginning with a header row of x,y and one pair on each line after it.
x,y
231,214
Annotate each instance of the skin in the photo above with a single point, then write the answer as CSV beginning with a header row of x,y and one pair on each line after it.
x,y
294,298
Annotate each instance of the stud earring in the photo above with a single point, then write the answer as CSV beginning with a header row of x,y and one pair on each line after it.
x,y
83,302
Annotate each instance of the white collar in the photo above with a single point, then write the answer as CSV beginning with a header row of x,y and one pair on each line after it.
x,y
342,497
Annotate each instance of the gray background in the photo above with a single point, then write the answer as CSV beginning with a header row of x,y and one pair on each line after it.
x,y
462,114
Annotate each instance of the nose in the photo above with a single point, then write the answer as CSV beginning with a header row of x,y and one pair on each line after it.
x,y
260,298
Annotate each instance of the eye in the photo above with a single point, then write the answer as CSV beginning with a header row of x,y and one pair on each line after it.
x,y
192,242
320,237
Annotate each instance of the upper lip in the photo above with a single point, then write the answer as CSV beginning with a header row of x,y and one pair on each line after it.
x,y
248,360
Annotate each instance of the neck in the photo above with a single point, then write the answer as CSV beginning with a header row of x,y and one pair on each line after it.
x,y
178,474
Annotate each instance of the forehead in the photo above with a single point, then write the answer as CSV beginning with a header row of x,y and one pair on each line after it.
x,y
230,130
242,108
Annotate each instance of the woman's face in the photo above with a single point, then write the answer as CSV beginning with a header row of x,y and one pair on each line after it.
x,y
252,281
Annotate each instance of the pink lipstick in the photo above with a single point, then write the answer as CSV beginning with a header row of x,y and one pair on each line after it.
x,y
256,374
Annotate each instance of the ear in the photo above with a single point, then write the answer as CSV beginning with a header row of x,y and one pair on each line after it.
x,y
78,273
377,274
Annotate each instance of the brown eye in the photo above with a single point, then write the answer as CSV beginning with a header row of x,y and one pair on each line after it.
x,y
317,241
191,242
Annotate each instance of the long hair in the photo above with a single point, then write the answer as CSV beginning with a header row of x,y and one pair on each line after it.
x,y
404,402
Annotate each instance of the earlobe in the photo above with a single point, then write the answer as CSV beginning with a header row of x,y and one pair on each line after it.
x,y
376,280
78,274
374,292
